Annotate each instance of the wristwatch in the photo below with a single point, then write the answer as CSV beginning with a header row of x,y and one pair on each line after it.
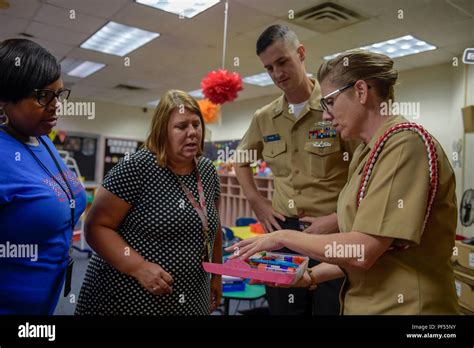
x,y
313,284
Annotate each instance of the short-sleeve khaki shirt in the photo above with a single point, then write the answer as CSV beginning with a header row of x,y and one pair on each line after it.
x,y
420,279
309,160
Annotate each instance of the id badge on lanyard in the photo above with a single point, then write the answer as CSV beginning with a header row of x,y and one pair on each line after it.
x,y
201,210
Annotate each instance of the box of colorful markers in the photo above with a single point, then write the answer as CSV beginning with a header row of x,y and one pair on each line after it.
x,y
279,268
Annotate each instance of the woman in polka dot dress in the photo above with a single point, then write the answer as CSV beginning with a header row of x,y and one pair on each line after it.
x,y
153,223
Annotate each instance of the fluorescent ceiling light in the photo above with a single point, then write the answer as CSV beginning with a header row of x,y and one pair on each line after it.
x,y
80,68
118,39
154,102
394,48
185,8
197,93
262,79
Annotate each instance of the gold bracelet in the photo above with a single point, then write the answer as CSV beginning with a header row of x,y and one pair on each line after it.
x,y
313,284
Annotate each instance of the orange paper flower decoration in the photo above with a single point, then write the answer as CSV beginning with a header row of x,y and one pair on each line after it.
x,y
210,111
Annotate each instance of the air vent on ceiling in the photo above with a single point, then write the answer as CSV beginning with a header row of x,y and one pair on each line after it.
x,y
129,87
327,17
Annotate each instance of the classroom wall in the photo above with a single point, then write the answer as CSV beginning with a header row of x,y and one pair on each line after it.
x,y
111,120
236,117
439,89
463,94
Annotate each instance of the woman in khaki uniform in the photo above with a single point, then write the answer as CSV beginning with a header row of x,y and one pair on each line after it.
x,y
397,213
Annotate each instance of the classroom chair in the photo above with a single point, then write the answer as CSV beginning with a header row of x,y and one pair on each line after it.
x,y
244,221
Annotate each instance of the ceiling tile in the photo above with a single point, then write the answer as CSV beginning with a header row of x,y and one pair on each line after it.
x,y
302,33
209,29
81,53
384,7
108,77
280,9
61,17
425,18
458,48
178,55
11,26
145,17
358,35
94,8
428,58
449,33
25,9
57,49
55,34
464,5
253,19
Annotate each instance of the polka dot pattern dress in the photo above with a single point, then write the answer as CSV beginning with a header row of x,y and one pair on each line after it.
x,y
164,228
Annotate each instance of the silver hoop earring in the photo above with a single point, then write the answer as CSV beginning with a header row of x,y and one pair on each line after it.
x,y
3,117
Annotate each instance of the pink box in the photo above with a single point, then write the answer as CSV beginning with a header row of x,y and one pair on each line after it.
x,y
239,268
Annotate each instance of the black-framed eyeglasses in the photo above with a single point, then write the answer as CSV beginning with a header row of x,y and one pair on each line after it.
x,y
46,96
324,102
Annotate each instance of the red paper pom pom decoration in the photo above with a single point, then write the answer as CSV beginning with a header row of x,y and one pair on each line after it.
x,y
221,86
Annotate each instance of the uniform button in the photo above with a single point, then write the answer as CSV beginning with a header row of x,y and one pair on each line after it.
x,y
296,150
297,171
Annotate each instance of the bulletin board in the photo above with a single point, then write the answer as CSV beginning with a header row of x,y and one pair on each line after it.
x,y
116,148
81,147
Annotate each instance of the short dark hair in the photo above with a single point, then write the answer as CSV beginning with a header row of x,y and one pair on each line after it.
x,y
25,66
272,34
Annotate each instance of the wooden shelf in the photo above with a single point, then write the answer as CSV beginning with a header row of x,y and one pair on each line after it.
x,y
233,203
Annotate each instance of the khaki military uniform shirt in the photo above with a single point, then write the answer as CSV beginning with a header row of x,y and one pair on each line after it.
x,y
418,280
308,160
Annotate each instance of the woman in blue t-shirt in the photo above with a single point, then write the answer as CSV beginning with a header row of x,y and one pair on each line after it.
x,y
40,199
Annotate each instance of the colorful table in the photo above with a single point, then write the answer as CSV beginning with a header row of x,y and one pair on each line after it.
x,y
243,232
251,292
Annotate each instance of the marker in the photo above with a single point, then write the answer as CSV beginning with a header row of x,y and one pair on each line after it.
x,y
274,268
276,263
298,259
265,266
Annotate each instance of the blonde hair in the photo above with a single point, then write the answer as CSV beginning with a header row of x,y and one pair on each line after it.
x,y
158,134
356,65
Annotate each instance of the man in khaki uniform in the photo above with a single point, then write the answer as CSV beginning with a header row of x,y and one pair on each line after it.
x,y
418,280
308,160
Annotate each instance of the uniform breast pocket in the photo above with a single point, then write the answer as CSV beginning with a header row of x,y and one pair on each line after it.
x,y
324,156
275,154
